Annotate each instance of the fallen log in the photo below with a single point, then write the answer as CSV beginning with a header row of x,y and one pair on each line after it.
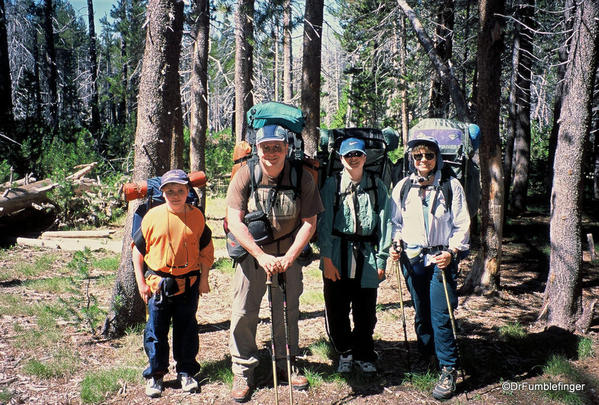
x,y
67,244
14,199
77,234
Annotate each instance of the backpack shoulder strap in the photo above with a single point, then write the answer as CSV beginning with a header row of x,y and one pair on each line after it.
x,y
374,187
338,193
255,179
404,191
296,170
445,187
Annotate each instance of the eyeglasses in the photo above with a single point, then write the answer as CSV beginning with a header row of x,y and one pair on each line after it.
x,y
427,155
271,148
355,153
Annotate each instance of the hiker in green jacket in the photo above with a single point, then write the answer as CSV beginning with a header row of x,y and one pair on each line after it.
x,y
354,236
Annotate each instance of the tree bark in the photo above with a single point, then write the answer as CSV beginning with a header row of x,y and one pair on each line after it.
x,y
155,121
442,69
95,123
311,74
287,54
198,123
51,63
244,38
6,114
563,292
485,271
403,83
566,25
439,101
522,134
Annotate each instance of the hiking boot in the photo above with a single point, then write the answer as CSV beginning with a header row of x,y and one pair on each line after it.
x,y
154,387
445,387
241,389
345,363
188,383
299,381
366,366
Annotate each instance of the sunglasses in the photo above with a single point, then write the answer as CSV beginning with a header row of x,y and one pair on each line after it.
x,y
355,153
427,155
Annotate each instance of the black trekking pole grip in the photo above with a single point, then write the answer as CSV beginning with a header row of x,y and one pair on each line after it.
x,y
273,355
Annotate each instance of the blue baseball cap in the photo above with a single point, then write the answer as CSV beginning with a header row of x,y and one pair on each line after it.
x,y
351,145
271,133
177,176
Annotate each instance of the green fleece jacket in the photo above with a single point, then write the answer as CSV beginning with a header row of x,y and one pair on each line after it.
x,y
369,221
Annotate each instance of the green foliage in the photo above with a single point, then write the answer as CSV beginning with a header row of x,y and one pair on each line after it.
x,y
4,170
315,379
322,349
424,382
96,385
558,365
109,263
312,298
5,395
82,306
513,331
585,348
21,270
218,371
45,335
224,265
219,153
61,364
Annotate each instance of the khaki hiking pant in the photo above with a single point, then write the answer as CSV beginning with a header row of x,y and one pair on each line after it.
x,y
249,286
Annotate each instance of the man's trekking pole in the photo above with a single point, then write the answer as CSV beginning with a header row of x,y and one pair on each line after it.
x,y
272,341
403,314
283,285
452,319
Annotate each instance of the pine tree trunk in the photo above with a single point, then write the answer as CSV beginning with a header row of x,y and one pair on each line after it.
x,y
51,62
563,292
485,271
95,124
439,101
155,121
198,122
508,156
287,54
311,74
244,38
6,114
566,25
441,68
522,134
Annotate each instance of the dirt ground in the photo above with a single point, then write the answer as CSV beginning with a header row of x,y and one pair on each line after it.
x,y
491,361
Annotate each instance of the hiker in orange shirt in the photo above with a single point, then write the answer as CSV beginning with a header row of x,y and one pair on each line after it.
x,y
176,246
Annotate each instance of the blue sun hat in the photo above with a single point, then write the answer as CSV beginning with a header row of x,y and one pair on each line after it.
x,y
352,145
271,133
177,176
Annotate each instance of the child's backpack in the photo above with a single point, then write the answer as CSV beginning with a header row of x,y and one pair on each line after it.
x,y
377,142
458,142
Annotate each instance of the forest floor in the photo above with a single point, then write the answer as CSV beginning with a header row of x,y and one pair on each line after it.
x,y
45,359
